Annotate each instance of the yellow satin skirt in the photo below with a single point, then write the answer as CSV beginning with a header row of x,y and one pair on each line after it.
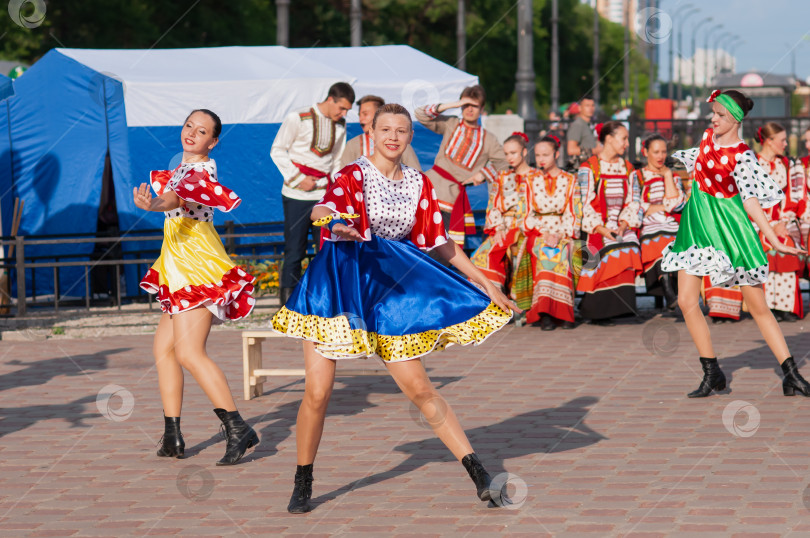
x,y
194,270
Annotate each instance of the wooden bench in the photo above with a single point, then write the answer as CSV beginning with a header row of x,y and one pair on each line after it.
x,y
254,375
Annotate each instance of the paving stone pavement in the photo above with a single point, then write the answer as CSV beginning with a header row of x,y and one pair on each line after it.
x,y
591,425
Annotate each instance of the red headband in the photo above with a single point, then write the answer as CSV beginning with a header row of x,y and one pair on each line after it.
x,y
524,136
598,129
759,136
556,140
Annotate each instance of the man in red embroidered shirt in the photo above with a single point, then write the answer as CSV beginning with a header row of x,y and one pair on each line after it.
x,y
468,155
307,150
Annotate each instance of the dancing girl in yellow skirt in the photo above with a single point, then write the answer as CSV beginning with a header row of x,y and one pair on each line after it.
x,y
196,284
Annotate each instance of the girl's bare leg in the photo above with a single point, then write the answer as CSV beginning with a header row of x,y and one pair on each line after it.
x,y
688,300
170,374
754,297
318,384
413,381
191,330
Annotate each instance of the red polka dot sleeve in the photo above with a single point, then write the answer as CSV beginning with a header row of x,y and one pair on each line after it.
x,y
198,186
428,230
345,197
159,179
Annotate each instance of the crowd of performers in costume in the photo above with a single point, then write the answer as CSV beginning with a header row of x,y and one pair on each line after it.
x,y
380,285
549,237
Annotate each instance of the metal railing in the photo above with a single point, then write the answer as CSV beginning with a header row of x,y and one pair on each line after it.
x,y
681,133
22,263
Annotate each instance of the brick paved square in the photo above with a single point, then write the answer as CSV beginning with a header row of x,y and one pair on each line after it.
x,y
592,425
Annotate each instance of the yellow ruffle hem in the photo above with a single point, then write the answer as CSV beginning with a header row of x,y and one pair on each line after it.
x,y
335,339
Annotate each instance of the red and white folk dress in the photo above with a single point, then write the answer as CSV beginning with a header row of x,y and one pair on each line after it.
x,y
553,208
608,275
782,291
193,269
657,229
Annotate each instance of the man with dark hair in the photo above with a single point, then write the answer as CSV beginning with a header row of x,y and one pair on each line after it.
x,y
467,155
363,144
341,90
307,151
581,141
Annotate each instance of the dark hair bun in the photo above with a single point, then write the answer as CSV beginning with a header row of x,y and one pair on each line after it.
x,y
749,105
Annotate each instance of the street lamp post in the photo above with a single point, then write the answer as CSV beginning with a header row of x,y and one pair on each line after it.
x,y
595,56
694,53
717,37
682,23
283,23
652,4
626,93
706,58
524,78
555,58
461,37
718,48
356,23
733,53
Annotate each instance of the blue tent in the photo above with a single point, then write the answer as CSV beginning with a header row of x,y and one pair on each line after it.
x,y
6,202
77,111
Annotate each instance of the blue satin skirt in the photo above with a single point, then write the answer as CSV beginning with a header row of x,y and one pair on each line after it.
x,y
385,298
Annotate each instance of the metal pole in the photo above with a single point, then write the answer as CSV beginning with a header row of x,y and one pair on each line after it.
x,y
356,22
626,66
283,23
651,49
706,60
461,37
694,55
595,56
670,88
680,52
524,78
555,57
717,49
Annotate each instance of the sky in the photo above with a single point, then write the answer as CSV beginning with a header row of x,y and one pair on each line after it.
x,y
769,28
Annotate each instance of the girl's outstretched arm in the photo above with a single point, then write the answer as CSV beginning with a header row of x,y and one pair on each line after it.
x,y
451,252
165,202
754,210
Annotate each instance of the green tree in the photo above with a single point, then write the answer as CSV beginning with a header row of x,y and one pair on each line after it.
x,y
428,25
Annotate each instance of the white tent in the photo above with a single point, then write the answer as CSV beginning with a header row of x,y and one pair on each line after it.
x,y
263,84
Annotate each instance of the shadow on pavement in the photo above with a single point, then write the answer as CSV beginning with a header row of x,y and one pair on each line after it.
x,y
349,397
550,430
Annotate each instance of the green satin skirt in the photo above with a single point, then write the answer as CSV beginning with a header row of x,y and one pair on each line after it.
x,y
721,237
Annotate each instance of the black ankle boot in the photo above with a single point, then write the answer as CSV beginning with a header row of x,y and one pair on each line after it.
x,y
547,323
302,492
239,435
670,294
713,379
479,475
171,444
793,379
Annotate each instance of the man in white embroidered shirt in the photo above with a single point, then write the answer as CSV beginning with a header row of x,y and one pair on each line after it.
x,y
307,152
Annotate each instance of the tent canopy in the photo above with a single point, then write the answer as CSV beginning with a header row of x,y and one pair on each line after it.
x,y
263,84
